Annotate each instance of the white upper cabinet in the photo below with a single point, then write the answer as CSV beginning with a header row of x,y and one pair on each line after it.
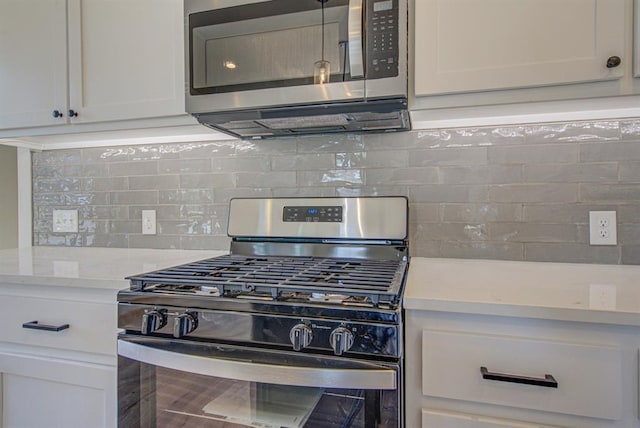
x,y
122,60
33,62
125,59
485,45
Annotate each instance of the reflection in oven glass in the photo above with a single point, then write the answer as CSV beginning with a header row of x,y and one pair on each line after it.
x,y
194,401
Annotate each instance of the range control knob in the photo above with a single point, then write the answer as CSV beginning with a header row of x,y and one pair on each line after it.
x,y
301,336
153,320
341,340
185,324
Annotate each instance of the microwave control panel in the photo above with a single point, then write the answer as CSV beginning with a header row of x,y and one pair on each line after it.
x,y
382,38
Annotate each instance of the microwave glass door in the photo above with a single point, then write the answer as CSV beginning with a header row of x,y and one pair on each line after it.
x,y
273,44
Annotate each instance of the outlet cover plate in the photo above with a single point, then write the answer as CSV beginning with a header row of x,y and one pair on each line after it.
x,y
603,228
65,221
148,222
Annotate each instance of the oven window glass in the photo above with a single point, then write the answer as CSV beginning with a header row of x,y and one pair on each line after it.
x,y
153,396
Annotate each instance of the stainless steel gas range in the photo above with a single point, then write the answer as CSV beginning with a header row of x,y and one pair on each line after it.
x,y
300,325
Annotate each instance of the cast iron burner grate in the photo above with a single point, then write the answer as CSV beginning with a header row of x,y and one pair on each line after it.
x,y
358,282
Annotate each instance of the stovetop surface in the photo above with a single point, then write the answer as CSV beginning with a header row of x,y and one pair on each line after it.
x,y
318,280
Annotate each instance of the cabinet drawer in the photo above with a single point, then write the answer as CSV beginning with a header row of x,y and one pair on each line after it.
x,y
91,326
441,419
589,377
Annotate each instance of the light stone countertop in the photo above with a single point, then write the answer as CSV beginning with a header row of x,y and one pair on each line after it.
x,y
572,292
88,267
608,294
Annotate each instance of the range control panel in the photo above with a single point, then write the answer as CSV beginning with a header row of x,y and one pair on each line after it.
x,y
314,214
382,38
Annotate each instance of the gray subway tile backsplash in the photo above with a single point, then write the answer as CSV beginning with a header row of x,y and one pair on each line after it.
x,y
154,182
454,156
173,166
573,173
510,192
133,168
614,151
630,172
608,193
534,193
489,174
234,164
105,184
406,176
330,177
630,129
204,181
134,197
441,193
272,179
476,213
302,162
573,132
533,154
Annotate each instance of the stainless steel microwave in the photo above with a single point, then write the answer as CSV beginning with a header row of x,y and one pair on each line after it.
x,y
267,68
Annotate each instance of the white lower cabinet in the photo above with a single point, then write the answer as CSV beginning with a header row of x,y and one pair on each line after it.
x,y
48,392
57,357
440,419
480,371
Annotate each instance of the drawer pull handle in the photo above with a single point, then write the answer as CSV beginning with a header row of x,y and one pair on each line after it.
x,y
37,326
548,381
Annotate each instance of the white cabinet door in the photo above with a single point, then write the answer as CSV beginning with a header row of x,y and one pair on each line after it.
x,y
33,62
483,45
126,59
636,38
443,419
40,392
90,60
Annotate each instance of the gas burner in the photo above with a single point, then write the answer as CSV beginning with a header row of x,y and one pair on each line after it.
x,y
321,297
324,280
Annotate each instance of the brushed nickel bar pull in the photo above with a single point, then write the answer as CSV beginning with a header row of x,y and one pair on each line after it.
x,y
35,325
548,381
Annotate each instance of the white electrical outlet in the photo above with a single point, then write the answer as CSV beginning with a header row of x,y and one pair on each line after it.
x,y
148,222
602,228
65,221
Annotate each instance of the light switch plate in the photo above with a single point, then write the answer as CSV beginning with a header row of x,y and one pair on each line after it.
x,y
65,221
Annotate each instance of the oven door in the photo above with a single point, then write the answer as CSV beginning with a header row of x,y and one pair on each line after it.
x,y
168,383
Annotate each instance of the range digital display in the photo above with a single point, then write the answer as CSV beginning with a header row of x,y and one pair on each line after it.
x,y
332,214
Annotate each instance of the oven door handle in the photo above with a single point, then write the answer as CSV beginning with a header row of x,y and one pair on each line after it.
x,y
257,372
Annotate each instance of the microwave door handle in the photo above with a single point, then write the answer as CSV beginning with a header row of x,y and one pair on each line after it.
x,y
356,62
